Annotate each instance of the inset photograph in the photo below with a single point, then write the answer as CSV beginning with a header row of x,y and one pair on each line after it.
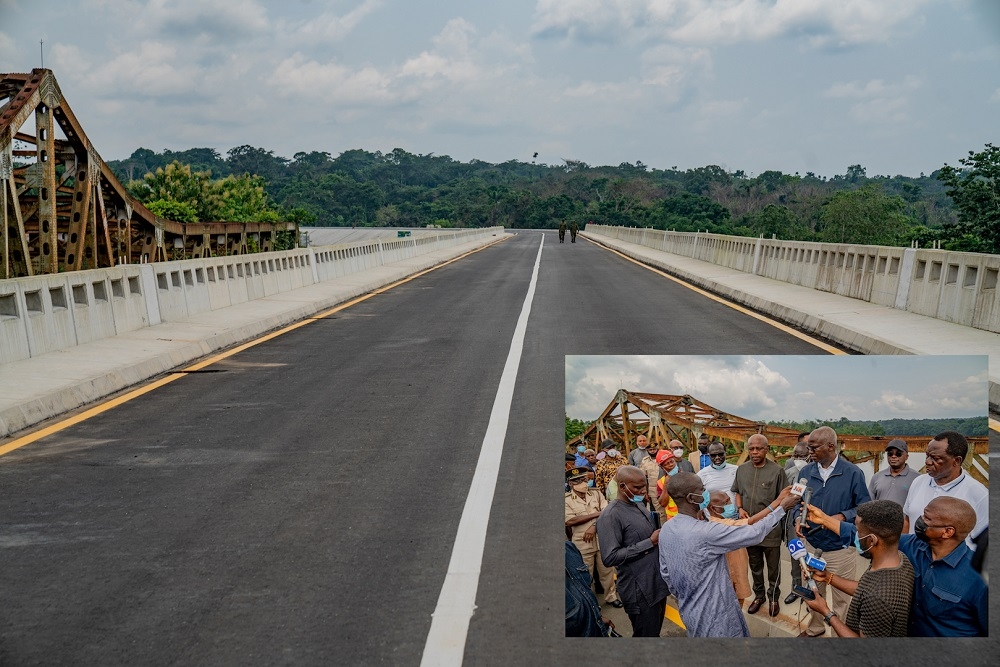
x,y
776,496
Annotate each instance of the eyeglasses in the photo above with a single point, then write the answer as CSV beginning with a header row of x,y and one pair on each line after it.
x,y
721,455
895,453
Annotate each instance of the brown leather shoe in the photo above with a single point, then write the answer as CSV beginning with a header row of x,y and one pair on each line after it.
x,y
773,608
755,605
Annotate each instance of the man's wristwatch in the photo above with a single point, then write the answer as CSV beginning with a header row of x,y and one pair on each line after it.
x,y
829,616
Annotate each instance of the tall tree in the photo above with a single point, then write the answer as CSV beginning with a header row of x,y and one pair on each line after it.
x,y
975,189
865,216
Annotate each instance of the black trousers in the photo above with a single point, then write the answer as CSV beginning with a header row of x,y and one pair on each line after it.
x,y
758,557
649,621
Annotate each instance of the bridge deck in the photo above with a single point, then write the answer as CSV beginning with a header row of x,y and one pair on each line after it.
x,y
299,503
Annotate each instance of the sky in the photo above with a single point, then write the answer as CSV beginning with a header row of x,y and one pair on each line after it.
x,y
789,387
898,86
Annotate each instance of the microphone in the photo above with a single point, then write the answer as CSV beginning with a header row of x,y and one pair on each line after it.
x,y
798,551
806,496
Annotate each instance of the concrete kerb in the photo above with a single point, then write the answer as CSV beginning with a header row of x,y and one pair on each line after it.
x,y
289,307
844,335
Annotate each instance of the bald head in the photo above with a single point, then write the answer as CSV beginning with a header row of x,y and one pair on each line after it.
x,y
823,445
682,484
630,475
948,511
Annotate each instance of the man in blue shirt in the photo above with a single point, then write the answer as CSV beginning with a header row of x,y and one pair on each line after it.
x,y
950,599
838,487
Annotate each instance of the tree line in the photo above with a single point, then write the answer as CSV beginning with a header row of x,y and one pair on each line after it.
x,y
958,207
967,426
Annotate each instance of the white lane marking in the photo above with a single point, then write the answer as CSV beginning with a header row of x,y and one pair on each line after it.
x,y
450,621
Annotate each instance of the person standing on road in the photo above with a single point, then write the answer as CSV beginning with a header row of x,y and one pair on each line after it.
x,y
793,470
693,558
607,465
719,475
945,477
583,506
757,484
683,465
573,229
628,538
950,598
894,482
640,452
881,599
562,231
838,487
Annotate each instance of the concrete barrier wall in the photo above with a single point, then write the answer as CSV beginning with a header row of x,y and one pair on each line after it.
x,y
51,312
958,287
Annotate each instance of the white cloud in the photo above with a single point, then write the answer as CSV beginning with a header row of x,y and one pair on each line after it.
x,y
330,26
713,22
877,100
339,84
896,403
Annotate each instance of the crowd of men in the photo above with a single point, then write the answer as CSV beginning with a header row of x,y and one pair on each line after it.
x,y
657,523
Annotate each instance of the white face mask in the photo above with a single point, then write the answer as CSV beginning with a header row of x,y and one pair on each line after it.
x,y
678,453
799,463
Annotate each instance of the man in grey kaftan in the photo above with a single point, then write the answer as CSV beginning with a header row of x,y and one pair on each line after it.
x,y
693,560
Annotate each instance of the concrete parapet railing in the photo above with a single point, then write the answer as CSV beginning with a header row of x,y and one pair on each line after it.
x,y
959,287
45,313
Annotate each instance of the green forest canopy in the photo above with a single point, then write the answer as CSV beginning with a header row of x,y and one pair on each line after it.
x,y
960,207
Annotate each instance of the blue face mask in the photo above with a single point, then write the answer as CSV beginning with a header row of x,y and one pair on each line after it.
x,y
865,553
674,471
719,467
590,483
704,499
729,511
581,448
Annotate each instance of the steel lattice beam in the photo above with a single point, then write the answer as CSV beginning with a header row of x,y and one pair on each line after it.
x,y
66,210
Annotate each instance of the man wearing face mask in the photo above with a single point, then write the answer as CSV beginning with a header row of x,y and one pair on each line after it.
x,y
583,505
628,537
950,598
693,558
580,460
640,452
945,477
719,475
880,606
677,447
793,469
700,458
664,503
798,460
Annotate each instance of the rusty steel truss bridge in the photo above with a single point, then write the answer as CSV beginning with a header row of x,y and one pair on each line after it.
x,y
665,417
65,210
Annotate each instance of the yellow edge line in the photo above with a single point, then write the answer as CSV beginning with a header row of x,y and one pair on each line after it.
x,y
714,297
136,393
994,424
674,617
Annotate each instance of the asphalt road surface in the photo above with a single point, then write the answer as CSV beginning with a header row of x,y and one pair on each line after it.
x,y
297,503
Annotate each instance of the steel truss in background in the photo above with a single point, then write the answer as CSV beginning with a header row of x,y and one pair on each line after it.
x,y
63,209
665,417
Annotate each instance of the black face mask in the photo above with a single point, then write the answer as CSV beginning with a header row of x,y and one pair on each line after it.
x,y
920,529
703,449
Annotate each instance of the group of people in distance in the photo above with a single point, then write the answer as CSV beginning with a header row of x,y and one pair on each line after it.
x,y
658,523
573,230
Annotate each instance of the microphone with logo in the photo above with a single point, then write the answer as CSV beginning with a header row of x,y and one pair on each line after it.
x,y
806,560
